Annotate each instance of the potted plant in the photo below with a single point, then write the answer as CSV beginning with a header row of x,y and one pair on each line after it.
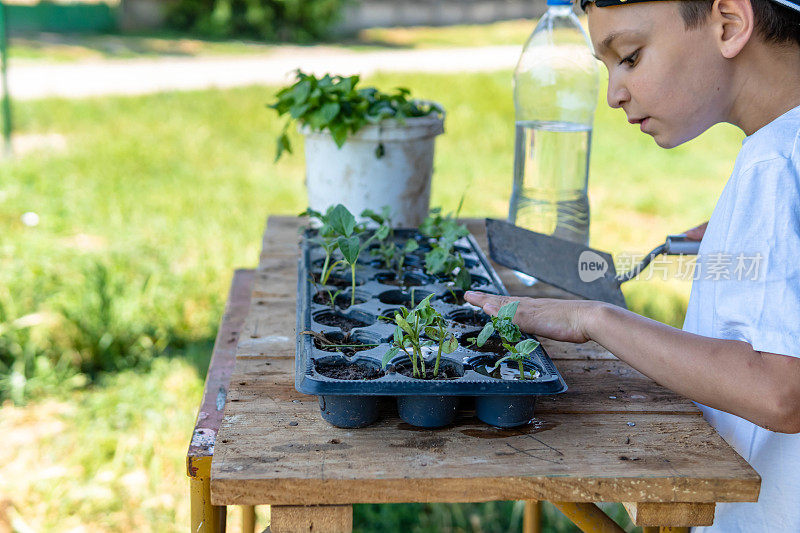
x,y
363,147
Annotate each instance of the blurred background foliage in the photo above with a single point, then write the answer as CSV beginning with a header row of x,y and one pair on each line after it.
x,y
272,20
110,299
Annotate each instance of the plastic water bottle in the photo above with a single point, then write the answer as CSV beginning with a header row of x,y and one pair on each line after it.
x,y
555,95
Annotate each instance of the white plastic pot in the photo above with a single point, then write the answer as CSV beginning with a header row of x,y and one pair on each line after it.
x,y
355,176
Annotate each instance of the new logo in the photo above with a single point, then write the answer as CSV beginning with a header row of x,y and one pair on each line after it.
x,y
591,266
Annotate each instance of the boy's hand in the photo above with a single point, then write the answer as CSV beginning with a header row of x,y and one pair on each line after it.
x,y
561,320
696,233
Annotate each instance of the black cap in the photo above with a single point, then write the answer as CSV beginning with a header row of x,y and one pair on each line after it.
x,y
791,4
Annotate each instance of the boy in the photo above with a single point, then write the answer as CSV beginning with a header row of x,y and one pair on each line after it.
x,y
676,68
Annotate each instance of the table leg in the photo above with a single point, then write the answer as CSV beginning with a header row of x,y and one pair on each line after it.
x,y
588,517
532,519
206,518
308,518
248,518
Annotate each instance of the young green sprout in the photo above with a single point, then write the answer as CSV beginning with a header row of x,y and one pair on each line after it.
x,y
340,230
326,238
388,250
510,335
344,224
443,259
423,319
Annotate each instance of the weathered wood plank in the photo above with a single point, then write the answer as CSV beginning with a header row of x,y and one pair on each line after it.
x,y
220,368
276,449
311,518
681,514
603,386
281,236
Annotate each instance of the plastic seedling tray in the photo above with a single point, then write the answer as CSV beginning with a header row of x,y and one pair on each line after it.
x,y
348,378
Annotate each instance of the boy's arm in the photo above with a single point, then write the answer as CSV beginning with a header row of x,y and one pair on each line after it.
x,y
725,374
697,232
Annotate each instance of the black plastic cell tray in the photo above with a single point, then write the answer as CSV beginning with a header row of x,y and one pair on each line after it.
x,y
471,383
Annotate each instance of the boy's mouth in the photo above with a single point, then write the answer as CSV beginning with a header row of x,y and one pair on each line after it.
x,y
641,121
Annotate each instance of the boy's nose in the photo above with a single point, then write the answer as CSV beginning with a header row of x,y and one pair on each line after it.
x,y
617,94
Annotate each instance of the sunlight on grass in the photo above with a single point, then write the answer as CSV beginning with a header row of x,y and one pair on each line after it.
x,y
510,32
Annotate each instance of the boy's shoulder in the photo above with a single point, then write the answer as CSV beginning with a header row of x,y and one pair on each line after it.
x,y
778,140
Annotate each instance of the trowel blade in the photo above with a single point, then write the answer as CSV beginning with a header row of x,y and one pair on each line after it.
x,y
567,265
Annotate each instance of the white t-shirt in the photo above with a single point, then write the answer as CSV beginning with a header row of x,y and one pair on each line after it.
x,y
747,287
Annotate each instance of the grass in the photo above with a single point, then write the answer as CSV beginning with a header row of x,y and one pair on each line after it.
x,y
143,217
509,32
65,48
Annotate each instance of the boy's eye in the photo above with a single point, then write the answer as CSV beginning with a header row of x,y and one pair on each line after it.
x,y
631,59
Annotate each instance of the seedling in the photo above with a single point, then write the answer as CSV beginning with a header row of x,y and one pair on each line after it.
x,y
423,319
344,224
333,223
393,255
510,335
438,226
443,259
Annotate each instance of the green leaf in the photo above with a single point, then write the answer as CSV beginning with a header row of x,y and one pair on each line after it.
x,y
435,260
464,279
450,345
508,330
403,323
410,246
300,91
298,110
329,111
312,214
283,145
508,310
424,304
339,133
341,220
393,351
372,215
485,333
382,232
527,346
350,248
432,332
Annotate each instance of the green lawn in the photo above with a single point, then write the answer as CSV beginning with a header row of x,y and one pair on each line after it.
x,y
142,219
83,47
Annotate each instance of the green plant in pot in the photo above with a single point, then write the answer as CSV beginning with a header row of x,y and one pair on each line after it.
x,y
363,147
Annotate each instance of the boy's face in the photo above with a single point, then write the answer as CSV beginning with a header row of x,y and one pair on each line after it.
x,y
667,79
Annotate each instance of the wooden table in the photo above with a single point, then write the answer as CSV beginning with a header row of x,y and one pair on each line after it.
x,y
614,436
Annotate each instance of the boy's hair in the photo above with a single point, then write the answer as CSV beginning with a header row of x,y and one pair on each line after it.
x,y
775,23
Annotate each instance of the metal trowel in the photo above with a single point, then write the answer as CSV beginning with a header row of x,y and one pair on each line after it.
x,y
570,266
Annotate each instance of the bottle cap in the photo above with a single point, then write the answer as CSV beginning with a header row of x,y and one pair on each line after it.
x,y
559,2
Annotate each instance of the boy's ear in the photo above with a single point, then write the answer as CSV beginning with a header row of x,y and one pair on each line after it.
x,y
733,24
